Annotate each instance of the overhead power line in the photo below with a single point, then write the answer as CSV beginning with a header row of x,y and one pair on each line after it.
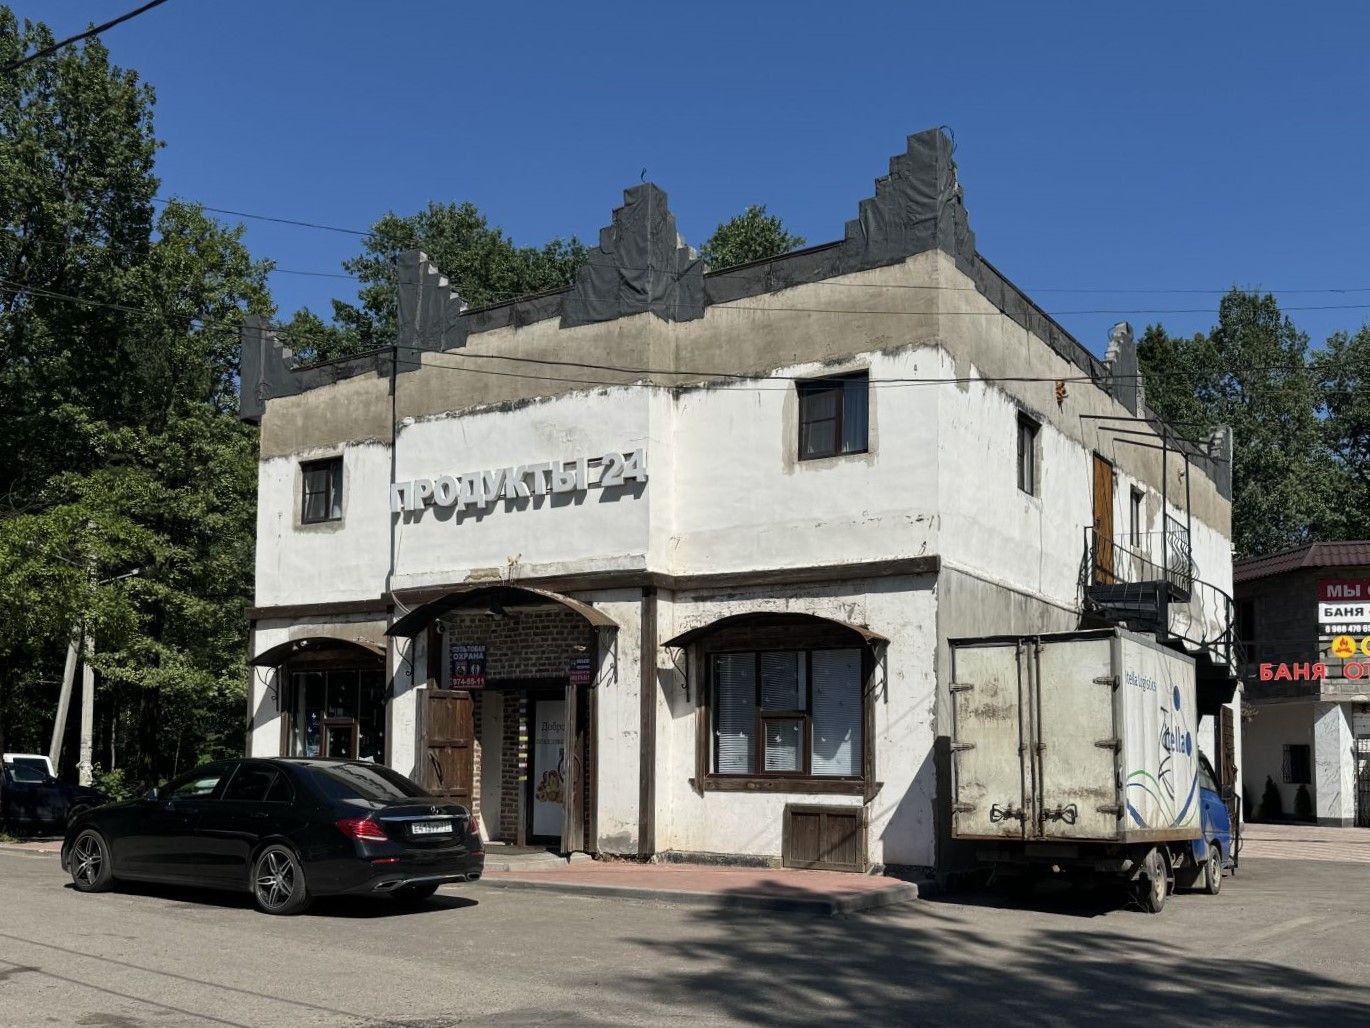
x,y
267,217
95,30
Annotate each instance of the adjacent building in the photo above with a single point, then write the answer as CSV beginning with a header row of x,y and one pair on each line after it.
x,y
666,563
1304,618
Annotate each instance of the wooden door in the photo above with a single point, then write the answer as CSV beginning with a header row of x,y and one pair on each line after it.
x,y
448,748
1103,521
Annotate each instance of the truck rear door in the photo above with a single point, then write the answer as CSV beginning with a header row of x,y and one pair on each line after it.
x,y
989,763
1077,739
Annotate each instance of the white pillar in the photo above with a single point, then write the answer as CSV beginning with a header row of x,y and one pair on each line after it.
x,y
405,657
1334,769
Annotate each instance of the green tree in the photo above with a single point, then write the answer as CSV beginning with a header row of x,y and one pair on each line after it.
x,y
119,442
483,265
1342,370
749,236
1251,371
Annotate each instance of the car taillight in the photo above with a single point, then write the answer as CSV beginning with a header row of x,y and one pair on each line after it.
x,y
473,825
362,828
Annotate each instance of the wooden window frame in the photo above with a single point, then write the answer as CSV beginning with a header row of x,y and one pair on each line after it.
x,y
1027,423
809,387
334,466
759,779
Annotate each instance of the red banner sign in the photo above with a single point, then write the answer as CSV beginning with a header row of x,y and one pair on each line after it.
x,y
1344,590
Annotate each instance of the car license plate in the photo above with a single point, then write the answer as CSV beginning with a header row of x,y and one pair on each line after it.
x,y
431,828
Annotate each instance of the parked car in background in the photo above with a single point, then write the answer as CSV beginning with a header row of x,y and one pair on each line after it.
x,y
286,830
33,800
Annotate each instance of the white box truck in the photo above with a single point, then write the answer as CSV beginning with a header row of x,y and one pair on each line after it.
x,y
1079,750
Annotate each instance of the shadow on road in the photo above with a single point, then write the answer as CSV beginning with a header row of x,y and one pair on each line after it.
x,y
936,962
346,907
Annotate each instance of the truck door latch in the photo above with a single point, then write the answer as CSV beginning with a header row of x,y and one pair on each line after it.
x,y
1008,813
1070,813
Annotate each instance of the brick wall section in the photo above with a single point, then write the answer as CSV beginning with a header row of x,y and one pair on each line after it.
x,y
534,643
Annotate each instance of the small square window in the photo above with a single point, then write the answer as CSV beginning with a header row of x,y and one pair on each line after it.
x,y
834,416
1027,454
322,497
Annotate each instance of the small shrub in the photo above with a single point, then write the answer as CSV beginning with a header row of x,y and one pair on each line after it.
x,y
114,784
1272,807
1303,804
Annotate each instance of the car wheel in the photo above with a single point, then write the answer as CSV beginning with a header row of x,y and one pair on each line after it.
x,y
91,868
1213,870
278,883
1154,884
414,894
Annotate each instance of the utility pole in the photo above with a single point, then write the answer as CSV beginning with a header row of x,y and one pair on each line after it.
x,y
86,766
59,726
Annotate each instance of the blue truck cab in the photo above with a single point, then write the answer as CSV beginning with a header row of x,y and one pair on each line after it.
x,y
1215,821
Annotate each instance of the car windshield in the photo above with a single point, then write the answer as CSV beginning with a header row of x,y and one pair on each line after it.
x,y
365,782
28,769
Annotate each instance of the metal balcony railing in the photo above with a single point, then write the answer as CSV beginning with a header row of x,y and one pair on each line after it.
x,y
1151,583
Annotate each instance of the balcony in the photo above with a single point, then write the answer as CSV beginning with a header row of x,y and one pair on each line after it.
x,y
1152,585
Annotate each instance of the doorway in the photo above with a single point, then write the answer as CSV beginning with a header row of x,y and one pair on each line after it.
x,y
1103,522
548,771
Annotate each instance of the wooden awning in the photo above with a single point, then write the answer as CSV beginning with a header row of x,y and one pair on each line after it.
x,y
315,645
493,597
775,619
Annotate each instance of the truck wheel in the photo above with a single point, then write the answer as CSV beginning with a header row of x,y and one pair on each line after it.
x,y
1154,883
1213,870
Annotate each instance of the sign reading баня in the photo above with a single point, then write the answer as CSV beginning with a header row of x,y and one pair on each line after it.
x,y
482,488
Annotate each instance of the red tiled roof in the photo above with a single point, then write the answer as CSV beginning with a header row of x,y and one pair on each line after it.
x,y
1310,555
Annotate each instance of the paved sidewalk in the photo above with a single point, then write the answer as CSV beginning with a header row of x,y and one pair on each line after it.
x,y
1305,842
817,892
46,845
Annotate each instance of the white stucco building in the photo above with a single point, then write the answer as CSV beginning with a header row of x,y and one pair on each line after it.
x,y
666,562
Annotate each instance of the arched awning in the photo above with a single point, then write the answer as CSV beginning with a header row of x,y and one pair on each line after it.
x,y
776,619
315,645
494,598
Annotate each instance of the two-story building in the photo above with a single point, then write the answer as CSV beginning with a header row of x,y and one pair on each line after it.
x,y
666,562
1303,616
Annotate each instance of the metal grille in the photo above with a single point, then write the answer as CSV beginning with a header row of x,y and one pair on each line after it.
x,y
1363,781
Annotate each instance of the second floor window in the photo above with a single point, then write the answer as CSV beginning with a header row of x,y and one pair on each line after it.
x,y
833,416
322,499
1134,518
1027,454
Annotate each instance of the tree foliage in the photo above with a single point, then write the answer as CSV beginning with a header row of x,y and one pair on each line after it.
x,y
1342,371
1252,371
750,236
119,444
483,265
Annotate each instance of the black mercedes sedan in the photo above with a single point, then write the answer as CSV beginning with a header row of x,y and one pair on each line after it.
x,y
285,829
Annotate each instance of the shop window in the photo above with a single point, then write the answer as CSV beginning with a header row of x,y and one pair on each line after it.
x,y
338,714
1027,454
834,416
795,713
322,497
1298,765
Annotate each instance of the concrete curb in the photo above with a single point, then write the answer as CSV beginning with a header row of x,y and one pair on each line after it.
x,y
826,906
44,849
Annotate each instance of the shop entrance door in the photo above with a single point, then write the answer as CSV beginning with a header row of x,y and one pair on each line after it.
x,y
548,771
448,755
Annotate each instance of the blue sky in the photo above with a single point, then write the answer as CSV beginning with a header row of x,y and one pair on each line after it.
x,y
1107,155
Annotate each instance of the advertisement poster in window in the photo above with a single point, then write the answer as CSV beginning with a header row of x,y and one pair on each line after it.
x,y
467,661
549,766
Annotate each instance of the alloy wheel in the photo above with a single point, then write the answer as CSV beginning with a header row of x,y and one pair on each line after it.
x,y
88,858
275,882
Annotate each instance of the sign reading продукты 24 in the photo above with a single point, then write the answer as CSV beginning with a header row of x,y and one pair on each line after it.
x,y
479,489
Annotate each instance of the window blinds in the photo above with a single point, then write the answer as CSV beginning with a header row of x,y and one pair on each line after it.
x,y
836,712
734,713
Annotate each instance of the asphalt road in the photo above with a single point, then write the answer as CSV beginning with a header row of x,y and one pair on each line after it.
x,y
1287,942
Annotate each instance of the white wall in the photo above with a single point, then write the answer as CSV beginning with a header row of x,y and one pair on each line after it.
x,y
1334,768
900,817
1264,737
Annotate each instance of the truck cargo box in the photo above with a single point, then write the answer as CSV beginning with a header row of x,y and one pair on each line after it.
x,y
1079,736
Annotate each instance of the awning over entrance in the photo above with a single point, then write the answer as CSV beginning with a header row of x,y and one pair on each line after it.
x,y
313,645
495,598
774,619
